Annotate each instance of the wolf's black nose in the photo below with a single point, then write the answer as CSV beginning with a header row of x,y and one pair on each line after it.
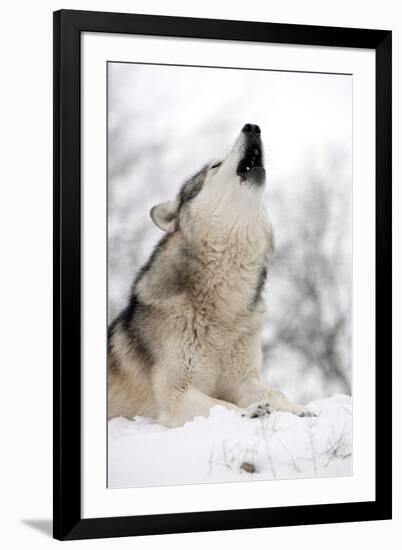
x,y
251,129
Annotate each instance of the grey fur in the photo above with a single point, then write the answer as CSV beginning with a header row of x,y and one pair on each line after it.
x,y
192,187
260,285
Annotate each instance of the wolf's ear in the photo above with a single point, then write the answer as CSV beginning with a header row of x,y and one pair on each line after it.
x,y
164,216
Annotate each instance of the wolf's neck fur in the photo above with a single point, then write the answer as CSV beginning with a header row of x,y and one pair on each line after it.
x,y
222,273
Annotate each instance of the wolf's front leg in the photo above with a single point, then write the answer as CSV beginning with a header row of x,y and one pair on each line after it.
x,y
177,408
252,391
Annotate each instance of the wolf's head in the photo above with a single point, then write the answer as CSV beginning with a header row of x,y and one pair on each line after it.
x,y
221,198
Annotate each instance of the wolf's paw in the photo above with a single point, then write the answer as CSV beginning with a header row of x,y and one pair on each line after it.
x,y
261,408
304,412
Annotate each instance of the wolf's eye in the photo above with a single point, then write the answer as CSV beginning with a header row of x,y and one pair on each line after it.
x,y
216,165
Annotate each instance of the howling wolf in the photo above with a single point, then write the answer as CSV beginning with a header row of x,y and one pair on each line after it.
x,y
189,337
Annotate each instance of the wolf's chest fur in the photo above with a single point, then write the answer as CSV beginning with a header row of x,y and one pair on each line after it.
x,y
203,301
218,283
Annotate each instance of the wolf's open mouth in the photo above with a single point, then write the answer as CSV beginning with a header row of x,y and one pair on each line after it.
x,y
252,159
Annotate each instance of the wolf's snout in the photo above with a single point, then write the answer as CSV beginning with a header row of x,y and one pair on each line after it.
x,y
252,129
251,164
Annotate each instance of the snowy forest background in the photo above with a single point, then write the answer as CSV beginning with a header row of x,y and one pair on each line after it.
x,y
165,122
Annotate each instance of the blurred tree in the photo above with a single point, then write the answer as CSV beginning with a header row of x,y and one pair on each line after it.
x,y
311,276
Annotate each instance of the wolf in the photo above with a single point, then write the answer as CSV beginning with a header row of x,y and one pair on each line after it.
x,y
190,335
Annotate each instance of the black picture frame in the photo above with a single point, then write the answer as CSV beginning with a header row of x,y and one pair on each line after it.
x,y
68,26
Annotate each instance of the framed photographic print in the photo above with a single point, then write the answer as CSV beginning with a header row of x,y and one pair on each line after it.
x,y
222,274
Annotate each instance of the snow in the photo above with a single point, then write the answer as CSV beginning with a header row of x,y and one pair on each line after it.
x,y
228,447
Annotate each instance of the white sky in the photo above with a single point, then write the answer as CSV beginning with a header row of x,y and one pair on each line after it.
x,y
300,114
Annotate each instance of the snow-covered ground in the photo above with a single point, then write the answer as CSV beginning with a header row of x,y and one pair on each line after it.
x,y
228,447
